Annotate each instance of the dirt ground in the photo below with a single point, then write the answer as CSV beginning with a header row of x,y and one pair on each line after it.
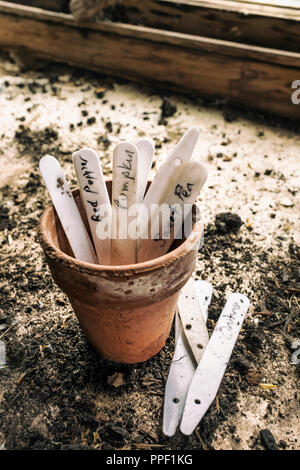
x,y
56,392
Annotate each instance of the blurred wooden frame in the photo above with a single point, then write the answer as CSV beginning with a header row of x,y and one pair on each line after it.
x,y
247,74
238,21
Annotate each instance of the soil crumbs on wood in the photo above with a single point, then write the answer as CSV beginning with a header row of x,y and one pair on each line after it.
x,y
56,392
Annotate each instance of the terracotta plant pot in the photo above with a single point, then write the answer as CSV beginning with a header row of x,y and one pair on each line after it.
x,y
126,312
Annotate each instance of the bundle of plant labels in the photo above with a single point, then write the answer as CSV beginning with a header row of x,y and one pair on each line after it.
x,y
137,224
199,362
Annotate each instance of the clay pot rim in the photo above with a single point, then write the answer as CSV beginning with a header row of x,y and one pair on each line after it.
x,y
62,258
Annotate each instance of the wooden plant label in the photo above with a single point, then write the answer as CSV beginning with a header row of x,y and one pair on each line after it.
x,y
183,365
184,187
66,209
124,195
209,373
95,199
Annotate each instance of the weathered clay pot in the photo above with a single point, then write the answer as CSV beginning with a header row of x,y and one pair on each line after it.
x,y
125,311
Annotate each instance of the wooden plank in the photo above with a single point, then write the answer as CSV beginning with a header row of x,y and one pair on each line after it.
x,y
53,5
274,27
174,61
165,37
242,6
277,3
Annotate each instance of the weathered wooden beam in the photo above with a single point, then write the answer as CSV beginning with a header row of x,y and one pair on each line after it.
x,y
252,76
53,5
242,22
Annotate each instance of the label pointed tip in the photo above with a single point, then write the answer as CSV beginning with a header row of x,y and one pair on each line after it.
x,y
195,130
186,430
169,432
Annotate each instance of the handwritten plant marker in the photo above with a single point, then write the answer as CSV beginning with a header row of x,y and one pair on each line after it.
x,y
181,154
167,173
183,192
146,152
66,209
94,194
204,291
183,365
124,194
193,324
210,371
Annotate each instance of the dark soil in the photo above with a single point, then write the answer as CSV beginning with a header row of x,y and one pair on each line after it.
x,y
35,143
50,404
227,222
167,110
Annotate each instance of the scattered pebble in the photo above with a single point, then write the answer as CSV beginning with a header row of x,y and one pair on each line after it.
x,y
64,78
286,202
253,377
268,440
116,380
91,121
167,110
116,432
295,344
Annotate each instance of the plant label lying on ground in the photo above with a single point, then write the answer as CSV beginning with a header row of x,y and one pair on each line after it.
x,y
210,371
193,323
183,365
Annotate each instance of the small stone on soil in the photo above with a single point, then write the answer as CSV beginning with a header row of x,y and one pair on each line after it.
x,y
227,222
268,440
